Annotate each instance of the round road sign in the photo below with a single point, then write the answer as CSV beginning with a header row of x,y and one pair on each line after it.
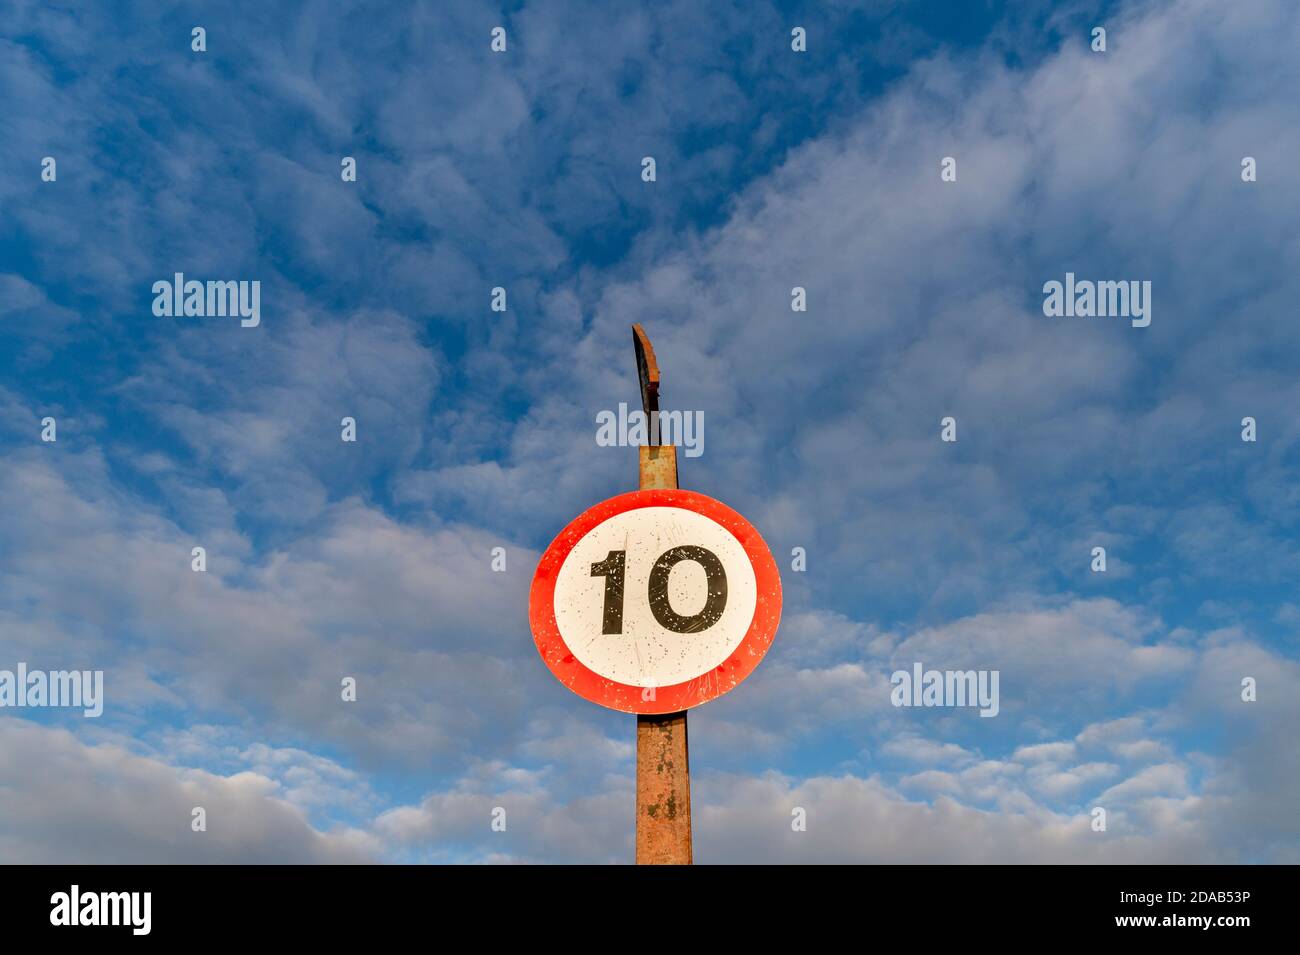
x,y
655,601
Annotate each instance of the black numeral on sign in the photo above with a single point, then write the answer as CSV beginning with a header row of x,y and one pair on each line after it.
x,y
614,567
662,608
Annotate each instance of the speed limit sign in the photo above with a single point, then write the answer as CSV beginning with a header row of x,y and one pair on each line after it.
x,y
655,601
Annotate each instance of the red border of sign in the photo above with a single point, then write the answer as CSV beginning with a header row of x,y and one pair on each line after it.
x,y
668,699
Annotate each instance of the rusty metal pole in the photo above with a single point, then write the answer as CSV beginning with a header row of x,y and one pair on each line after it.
x,y
663,777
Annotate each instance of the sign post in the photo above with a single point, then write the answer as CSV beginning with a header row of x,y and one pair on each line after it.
x,y
650,603
663,770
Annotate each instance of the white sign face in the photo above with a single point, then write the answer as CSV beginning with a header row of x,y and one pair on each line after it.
x,y
655,596
655,601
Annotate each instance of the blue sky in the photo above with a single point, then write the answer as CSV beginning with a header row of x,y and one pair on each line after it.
x,y
476,429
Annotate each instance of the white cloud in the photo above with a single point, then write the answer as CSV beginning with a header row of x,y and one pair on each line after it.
x,y
66,802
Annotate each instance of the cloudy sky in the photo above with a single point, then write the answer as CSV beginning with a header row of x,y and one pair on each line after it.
x,y
476,429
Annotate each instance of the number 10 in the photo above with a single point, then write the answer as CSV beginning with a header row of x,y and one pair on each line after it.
x,y
613,568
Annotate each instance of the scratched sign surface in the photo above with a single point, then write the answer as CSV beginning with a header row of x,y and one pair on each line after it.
x,y
655,601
